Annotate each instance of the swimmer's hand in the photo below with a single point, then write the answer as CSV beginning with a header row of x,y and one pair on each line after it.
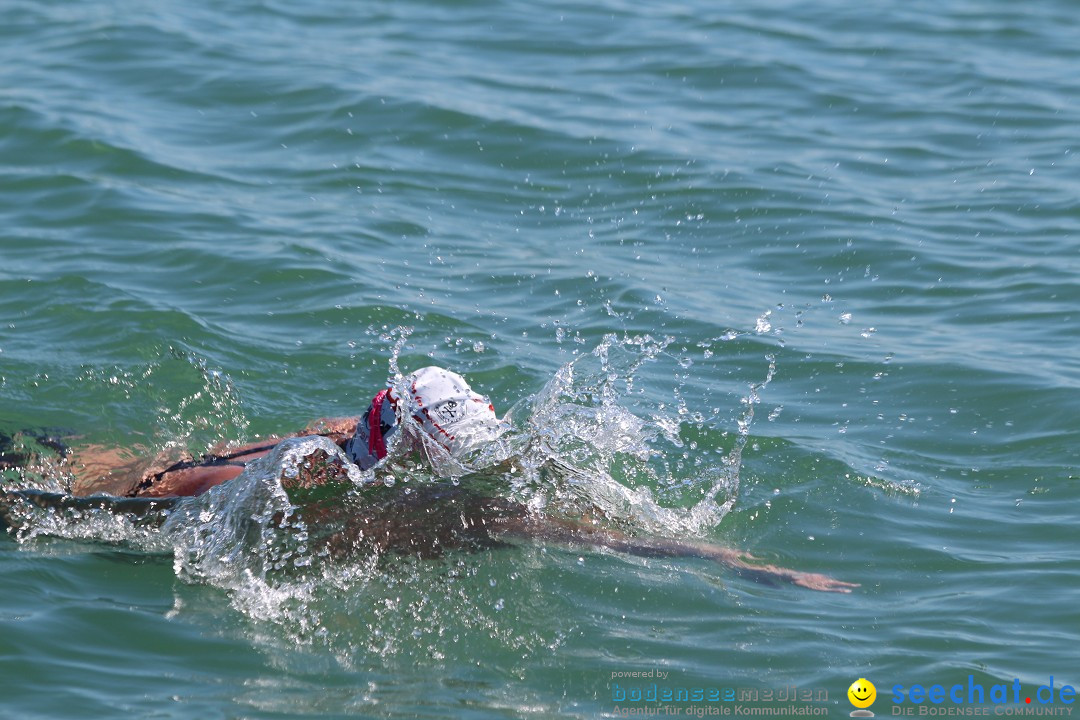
x,y
749,566
318,477
743,563
330,426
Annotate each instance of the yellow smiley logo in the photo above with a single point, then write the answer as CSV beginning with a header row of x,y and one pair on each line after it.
x,y
862,693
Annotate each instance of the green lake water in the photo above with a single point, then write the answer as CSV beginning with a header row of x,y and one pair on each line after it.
x,y
219,221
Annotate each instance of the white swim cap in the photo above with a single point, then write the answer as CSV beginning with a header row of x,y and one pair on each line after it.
x,y
455,420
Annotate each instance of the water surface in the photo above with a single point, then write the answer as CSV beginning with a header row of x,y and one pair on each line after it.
x,y
218,224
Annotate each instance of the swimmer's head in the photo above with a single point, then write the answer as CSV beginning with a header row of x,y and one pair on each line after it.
x,y
452,417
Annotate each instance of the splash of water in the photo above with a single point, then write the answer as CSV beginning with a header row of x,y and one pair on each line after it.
x,y
601,438
248,526
247,537
598,440
209,414
611,436
195,408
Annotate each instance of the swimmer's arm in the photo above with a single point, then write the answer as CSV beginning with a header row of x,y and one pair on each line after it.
x,y
143,512
747,565
742,563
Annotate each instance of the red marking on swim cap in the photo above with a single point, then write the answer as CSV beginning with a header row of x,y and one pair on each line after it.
x,y
427,414
376,444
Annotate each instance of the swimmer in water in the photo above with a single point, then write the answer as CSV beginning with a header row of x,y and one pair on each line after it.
x,y
449,421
